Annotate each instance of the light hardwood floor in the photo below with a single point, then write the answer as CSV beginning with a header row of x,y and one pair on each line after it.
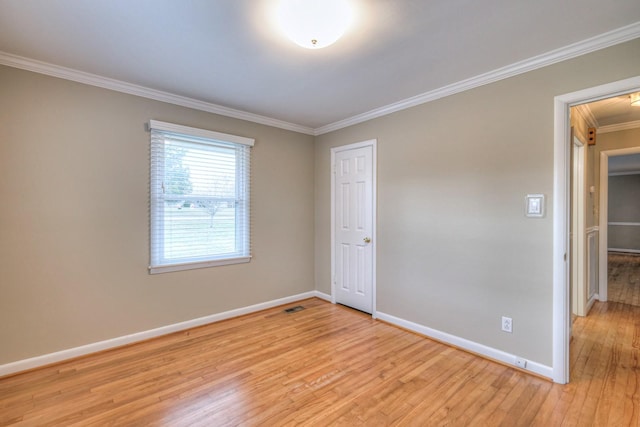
x,y
329,365
624,278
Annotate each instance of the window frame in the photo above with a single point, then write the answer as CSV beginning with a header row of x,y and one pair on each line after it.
x,y
157,262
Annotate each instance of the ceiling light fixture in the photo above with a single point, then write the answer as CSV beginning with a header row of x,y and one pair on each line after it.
x,y
635,99
314,24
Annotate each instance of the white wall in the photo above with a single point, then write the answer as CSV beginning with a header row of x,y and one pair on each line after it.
x,y
624,207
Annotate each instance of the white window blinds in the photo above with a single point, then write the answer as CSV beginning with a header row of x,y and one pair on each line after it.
x,y
199,198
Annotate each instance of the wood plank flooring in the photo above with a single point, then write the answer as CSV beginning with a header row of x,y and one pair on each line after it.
x,y
624,278
329,365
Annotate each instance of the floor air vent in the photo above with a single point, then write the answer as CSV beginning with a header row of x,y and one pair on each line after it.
x,y
294,309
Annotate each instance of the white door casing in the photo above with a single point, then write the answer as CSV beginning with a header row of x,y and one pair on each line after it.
x,y
561,201
603,282
353,226
577,249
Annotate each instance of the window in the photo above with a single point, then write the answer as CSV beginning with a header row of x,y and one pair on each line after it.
x,y
199,198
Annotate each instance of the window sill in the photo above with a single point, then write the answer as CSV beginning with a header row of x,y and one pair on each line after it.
x,y
193,265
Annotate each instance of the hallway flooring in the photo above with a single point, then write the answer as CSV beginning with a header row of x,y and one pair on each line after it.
x,y
624,278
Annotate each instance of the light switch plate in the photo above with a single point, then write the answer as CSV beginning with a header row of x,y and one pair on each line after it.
x,y
535,205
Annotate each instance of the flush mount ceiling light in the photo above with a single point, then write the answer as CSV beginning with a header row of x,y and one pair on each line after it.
x,y
314,24
635,99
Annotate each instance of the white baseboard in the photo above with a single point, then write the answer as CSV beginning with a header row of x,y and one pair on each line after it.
x,y
471,346
631,251
592,300
323,296
59,356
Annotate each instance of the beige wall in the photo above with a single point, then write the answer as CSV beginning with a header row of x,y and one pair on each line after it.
x,y
616,141
624,206
612,141
591,217
74,218
579,125
607,142
455,251
581,129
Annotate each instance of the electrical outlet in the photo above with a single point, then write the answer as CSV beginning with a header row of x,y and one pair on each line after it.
x,y
521,363
507,324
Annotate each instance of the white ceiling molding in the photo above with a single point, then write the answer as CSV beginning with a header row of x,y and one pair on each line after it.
x,y
592,44
145,92
602,41
620,126
587,115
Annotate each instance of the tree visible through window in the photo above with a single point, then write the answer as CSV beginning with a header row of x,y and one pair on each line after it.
x,y
199,198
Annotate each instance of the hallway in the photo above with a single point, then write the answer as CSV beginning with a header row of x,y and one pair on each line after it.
x,y
605,381
624,278
605,350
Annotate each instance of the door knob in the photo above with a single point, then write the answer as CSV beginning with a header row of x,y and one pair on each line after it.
x,y
367,240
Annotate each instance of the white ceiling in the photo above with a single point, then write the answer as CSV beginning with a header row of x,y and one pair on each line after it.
x,y
227,52
609,115
613,111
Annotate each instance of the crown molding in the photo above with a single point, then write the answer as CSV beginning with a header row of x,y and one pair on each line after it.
x,y
620,126
583,47
592,44
142,91
587,115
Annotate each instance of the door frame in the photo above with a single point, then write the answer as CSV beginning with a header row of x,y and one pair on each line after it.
x,y
373,143
578,210
603,243
561,196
